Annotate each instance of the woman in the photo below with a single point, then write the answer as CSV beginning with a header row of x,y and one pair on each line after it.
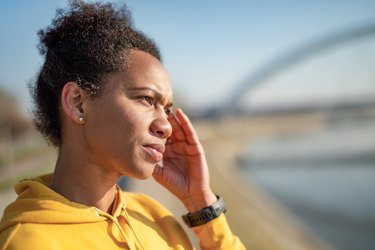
x,y
104,99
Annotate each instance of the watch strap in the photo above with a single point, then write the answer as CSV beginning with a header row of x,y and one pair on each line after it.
x,y
206,214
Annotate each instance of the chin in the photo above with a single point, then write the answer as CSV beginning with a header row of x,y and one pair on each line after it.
x,y
145,172
141,178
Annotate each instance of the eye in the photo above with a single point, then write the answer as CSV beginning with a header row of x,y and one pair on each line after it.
x,y
147,99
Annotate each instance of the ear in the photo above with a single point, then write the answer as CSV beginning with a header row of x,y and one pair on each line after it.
x,y
72,98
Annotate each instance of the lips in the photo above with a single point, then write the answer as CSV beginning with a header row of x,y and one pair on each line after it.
x,y
155,151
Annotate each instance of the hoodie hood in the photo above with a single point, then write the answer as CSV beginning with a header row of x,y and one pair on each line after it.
x,y
37,203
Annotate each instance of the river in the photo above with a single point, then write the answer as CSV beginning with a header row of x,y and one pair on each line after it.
x,y
326,179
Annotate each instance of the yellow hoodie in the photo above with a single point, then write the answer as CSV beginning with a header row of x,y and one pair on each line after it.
x,y
42,219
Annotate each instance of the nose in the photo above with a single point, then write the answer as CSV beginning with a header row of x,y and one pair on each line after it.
x,y
161,127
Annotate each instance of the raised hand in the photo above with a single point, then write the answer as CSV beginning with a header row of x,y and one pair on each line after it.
x,y
184,172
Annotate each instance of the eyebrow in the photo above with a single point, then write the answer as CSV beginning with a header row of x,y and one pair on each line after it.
x,y
156,93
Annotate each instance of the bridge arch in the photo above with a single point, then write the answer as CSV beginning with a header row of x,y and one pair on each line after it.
x,y
292,57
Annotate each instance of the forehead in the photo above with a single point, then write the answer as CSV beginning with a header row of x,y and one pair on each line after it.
x,y
144,69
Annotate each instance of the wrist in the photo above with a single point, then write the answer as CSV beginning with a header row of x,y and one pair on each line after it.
x,y
199,202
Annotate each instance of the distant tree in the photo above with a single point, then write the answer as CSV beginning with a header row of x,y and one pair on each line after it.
x,y
13,122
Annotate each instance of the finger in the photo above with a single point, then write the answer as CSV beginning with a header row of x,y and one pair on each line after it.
x,y
181,149
177,132
186,127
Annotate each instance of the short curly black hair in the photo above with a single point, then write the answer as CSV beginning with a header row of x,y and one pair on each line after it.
x,y
85,43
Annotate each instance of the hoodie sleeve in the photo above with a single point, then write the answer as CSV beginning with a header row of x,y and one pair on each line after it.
x,y
217,234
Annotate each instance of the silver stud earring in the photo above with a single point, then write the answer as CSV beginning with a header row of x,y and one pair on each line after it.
x,y
81,119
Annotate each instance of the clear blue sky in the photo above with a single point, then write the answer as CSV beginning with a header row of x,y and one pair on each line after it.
x,y
208,46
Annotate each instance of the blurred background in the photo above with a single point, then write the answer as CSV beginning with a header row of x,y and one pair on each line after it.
x,y
282,94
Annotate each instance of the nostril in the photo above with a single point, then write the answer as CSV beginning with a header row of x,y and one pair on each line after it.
x,y
160,133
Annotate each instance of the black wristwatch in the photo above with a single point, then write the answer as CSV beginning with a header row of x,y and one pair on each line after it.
x,y
206,214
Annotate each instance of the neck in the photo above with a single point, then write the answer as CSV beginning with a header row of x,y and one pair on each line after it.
x,y
84,182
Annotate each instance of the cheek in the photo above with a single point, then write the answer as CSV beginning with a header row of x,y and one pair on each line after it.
x,y
119,120
126,129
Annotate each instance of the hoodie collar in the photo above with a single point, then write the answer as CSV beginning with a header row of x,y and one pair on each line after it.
x,y
37,203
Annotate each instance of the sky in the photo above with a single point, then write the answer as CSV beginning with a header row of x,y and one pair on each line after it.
x,y
208,47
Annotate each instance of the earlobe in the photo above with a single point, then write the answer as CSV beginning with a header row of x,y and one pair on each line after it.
x,y
72,98
81,119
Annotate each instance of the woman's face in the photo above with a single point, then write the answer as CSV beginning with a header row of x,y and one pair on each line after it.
x,y
126,126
